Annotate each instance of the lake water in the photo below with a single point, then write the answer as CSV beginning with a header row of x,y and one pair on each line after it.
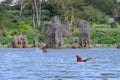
x,y
59,64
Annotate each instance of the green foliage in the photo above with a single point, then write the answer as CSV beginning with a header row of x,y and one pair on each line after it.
x,y
106,40
31,34
75,32
101,26
45,16
53,9
22,26
104,5
117,25
68,40
105,35
30,37
6,40
2,16
93,24
96,12
91,14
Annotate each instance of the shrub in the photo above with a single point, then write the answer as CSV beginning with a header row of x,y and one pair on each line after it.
x,y
75,32
22,26
106,40
68,40
30,37
6,40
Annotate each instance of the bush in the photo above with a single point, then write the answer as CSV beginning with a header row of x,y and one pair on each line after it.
x,y
6,40
30,37
68,40
105,35
75,32
106,40
117,25
22,26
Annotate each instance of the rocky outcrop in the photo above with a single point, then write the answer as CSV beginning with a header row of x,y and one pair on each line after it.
x,y
84,29
53,33
19,42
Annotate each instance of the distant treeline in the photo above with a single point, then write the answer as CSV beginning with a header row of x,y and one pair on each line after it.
x,y
28,17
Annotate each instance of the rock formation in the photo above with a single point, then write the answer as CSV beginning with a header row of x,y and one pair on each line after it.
x,y
19,42
84,29
53,33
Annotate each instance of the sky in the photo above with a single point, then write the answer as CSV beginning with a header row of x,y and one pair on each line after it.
x,y
0,0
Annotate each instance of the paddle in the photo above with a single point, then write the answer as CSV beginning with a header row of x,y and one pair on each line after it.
x,y
85,60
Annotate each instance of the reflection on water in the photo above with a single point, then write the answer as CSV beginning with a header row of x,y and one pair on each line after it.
x,y
59,64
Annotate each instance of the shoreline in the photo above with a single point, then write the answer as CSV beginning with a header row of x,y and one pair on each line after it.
x,y
74,46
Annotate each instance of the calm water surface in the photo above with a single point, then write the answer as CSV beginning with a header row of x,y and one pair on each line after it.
x,y
59,64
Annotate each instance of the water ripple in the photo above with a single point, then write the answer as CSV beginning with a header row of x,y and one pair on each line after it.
x,y
59,64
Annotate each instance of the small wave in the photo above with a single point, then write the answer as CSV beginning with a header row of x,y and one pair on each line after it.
x,y
7,53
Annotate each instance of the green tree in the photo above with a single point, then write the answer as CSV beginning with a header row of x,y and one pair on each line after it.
x,y
104,5
68,8
2,12
92,14
2,15
36,10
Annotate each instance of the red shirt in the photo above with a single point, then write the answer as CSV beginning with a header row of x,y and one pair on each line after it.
x,y
79,59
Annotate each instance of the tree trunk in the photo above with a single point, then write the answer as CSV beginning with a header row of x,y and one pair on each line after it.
x,y
23,6
37,13
33,15
39,16
69,22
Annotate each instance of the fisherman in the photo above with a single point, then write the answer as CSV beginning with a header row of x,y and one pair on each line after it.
x,y
79,59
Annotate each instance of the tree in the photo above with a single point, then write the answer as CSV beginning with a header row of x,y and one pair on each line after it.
x,y
92,14
104,5
36,10
2,13
68,8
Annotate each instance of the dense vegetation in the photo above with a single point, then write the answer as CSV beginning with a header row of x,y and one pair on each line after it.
x,y
28,17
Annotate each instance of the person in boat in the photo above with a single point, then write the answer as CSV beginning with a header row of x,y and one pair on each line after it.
x,y
79,59
44,48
